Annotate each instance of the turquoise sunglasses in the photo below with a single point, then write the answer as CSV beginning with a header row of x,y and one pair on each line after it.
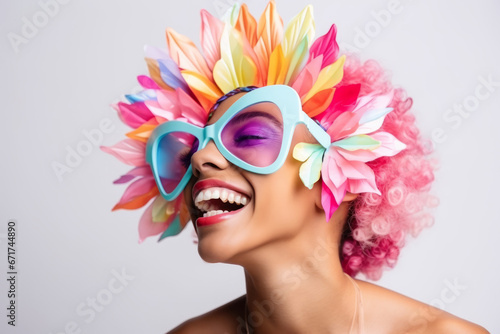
x,y
255,134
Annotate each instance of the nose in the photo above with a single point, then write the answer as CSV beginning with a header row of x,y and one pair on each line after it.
x,y
207,160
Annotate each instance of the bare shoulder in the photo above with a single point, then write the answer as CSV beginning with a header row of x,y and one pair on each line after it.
x,y
392,312
448,323
225,319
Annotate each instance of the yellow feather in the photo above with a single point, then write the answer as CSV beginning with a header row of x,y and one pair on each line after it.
x,y
295,60
235,68
205,90
276,66
269,34
300,27
247,72
327,78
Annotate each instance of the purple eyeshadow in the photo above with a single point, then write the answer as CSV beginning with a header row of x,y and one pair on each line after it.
x,y
254,137
253,132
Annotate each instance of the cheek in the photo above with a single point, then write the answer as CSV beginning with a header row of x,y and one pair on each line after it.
x,y
283,203
286,203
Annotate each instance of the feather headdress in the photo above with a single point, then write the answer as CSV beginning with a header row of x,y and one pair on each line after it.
x,y
240,51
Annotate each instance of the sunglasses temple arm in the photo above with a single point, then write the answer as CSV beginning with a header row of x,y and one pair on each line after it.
x,y
316,130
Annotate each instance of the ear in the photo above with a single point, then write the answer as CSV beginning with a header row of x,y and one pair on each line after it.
x,y
349,197
317,194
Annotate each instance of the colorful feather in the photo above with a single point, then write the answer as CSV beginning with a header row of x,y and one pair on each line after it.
x,y
325,46
128,151
234,69
133,173
205,90
307,77
328,77
186,55
269,34
247,25
211,32
147,226
134,115
143,132
238,51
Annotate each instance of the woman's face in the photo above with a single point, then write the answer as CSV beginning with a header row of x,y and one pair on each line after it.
x,y
278,205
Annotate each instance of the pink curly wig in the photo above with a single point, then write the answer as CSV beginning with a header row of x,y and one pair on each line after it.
x,y
377,226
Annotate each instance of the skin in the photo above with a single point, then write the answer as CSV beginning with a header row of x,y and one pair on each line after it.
x,y
294,278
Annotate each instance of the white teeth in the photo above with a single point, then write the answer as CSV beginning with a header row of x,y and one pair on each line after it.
x,y
223,195
199,198
215,193
207,195
214,212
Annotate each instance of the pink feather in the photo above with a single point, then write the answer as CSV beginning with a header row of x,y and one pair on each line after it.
x,y
128,151
345,124
345,99
307,77
331,172
133,173
327,46
362,186
146,82
328,200
176,105
211,32
389,147
355,170
373,101
134,115
137,188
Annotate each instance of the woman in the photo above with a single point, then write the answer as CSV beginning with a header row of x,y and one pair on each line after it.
x,y
301,166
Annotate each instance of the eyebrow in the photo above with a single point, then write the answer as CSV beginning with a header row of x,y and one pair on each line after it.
x,y
251,114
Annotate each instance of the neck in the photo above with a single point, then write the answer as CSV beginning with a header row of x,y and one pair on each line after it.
x,y
295,288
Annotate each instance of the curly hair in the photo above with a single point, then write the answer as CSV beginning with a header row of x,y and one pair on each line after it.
x,y
377,226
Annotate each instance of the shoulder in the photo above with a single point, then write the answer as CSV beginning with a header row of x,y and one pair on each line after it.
x,y
409,315
224,319
447,323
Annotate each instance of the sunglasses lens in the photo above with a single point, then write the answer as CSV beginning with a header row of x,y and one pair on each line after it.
x,y
255,134
174,157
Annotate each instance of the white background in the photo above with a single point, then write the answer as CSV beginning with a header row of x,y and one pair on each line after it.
x,y
61,81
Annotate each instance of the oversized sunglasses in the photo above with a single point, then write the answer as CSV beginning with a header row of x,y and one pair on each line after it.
x,y
255,134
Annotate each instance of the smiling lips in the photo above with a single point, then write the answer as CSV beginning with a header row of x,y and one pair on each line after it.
x,y
216,200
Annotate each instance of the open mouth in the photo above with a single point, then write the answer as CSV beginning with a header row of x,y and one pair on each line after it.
x,y
216,200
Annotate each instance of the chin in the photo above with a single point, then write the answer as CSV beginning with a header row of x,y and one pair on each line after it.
x,y
213,251
221,246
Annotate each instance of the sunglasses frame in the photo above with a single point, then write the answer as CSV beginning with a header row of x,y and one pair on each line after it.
x,y
284,97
